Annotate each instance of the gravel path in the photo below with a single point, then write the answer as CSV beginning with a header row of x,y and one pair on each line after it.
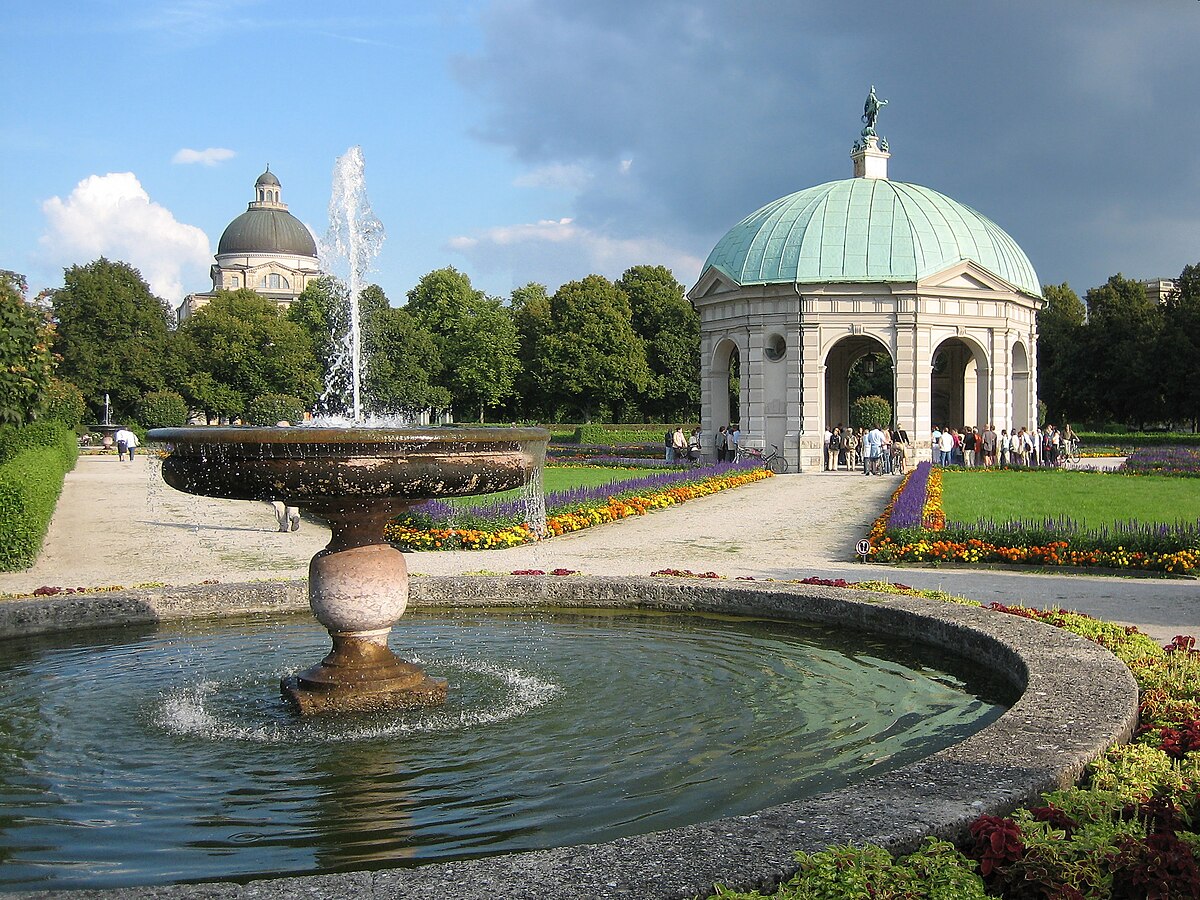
x,y
118,524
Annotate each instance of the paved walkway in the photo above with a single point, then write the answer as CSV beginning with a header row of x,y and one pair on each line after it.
x,y
118,524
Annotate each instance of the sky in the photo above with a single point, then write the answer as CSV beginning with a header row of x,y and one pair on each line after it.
x,y
544,140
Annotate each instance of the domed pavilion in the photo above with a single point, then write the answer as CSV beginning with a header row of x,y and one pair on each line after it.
x,y
266,249
804,288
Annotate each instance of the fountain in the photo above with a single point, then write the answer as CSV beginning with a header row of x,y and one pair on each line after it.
x,y
357,478
106,428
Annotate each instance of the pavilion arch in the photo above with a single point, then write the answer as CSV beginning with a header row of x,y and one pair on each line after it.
x,y
1024,414
959,384
839,359
724,361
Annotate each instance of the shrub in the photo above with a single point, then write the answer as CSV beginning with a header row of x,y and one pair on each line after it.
x,y
30,482
162,409
64,403
870,412
272,408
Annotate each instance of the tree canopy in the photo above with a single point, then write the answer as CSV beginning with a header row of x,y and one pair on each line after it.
x,y
26,369
670,331
476,339
240,346
111,335
592,362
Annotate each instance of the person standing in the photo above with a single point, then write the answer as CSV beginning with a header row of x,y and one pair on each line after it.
x,y
719,443
873,450
126,443
679,444
288,517
668,446
946,445
693,446
735,438
828,436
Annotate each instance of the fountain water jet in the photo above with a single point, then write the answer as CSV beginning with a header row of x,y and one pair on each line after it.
x,y
358,479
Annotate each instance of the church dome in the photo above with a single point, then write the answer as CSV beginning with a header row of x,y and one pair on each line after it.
x,y
265,230
866,230
266,226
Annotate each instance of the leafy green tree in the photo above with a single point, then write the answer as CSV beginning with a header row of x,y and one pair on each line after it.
x,y
529,306
110,335
476,339
1061,365
271,409
162,409
870,412
26,366
64,403
670,329
240,346
402,359
1179,348
1124,379
592,362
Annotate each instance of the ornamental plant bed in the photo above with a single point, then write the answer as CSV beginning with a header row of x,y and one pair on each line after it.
x,y
915,526
501,525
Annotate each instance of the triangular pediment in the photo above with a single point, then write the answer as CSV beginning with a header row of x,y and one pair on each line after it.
x,y
712,283
966,276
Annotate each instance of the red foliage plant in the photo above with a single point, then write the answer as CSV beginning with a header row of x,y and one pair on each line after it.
x,y
996,842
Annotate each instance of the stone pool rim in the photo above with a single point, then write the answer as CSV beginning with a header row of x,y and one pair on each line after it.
x,y
1076,700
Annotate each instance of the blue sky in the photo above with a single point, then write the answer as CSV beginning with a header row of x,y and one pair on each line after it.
x,y
543,140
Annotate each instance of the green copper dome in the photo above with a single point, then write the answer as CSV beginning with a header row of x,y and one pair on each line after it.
x,y
866,230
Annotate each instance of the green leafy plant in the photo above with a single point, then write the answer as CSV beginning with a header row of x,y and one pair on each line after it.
x,y
162,409
270,409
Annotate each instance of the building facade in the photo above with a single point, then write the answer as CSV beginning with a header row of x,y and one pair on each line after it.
x,y
803,288
266,249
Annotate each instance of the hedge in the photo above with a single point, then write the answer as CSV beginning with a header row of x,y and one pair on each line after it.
x,y
1134,439
30,482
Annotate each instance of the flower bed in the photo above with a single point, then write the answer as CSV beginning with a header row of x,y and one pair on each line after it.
x,y
1130,830
568,510
913,528
1180,461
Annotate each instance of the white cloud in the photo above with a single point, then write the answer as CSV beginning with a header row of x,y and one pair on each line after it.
x,y
554,251
208,157
112,215
625,166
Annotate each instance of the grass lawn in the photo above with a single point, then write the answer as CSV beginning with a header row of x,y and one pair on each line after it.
x,y
563,479
1089,498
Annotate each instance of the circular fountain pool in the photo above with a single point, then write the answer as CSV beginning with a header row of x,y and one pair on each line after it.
x,y
167,756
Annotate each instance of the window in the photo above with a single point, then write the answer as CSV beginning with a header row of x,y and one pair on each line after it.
x,y
274,281
775,347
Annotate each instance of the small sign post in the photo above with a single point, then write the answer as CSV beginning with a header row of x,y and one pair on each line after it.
x,y
863,548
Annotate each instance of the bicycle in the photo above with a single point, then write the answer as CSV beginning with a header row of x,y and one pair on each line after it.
x,y
772,460
1069,453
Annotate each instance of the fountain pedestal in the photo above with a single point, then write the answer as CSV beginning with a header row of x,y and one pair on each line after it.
x,y
357,479
358,589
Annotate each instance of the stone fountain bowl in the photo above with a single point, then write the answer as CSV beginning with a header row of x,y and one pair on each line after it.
x,y
322,467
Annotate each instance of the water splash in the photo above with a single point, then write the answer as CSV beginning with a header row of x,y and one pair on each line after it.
x,y
354,239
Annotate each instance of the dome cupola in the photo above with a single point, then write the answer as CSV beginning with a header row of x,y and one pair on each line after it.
x,y
266,226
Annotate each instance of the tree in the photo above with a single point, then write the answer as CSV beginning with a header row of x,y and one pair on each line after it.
x,y
240,346
591,362
1124,379
402,359
399,357
111,334
870,412
529,307
670,329
26,366
162,409
1060,365
475,336
1179,348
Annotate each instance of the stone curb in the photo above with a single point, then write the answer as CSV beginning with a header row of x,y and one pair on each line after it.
x,y
1077,700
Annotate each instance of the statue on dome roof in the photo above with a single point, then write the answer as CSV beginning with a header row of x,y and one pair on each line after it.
x,y
871,111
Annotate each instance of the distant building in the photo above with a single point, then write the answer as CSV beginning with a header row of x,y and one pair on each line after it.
x,y
1158,289
266,249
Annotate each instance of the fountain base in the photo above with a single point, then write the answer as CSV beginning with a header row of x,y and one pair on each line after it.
x,y
361,675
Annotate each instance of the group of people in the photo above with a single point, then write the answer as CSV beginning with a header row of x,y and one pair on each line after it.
x,y
678,447
878,451
973,447
727,440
